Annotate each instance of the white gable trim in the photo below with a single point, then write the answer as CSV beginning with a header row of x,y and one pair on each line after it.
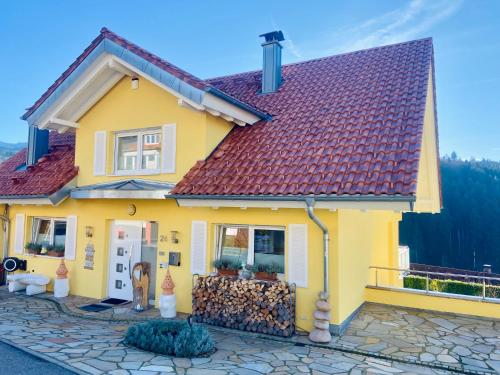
x,y
95,77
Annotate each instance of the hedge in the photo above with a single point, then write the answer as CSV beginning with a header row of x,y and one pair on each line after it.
x,y
170,337
451,286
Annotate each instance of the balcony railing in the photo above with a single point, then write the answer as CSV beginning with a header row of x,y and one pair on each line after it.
x,y
393,278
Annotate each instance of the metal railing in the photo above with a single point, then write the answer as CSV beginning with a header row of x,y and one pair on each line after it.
x,y
484,280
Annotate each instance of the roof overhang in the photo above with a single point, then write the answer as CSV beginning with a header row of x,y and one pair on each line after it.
x,y
125,189
357,202
40,200
107,64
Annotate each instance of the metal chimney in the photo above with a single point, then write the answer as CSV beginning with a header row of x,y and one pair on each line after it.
x,y
38,144
271,70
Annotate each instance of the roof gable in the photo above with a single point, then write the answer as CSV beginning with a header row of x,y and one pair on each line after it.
x,y
110,57
343,125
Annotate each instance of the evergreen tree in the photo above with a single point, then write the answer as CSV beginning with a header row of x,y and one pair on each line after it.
x,y
466,234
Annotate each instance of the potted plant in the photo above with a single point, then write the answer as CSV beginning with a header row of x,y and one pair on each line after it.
x,y
55,250
33,248
226,268
267,271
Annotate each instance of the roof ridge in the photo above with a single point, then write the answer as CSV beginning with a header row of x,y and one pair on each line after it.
x,y
235,75
106,33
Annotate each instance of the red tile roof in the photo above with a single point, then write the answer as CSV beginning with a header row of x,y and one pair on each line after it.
x,y
346,124
49,175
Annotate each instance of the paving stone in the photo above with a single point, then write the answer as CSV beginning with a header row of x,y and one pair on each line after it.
x,y
481,348
427,357
157,368
262,367
95,346
130,365
101,365
446,358
196,371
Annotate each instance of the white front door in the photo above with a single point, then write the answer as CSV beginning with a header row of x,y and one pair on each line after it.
x,y
124,252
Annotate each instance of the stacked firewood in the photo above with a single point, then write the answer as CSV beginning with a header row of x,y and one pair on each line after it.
x,y
250,305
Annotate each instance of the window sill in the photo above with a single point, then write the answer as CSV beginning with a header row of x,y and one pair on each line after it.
x,y
135,173
43,256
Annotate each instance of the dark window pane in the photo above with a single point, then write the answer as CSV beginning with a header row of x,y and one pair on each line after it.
x,y
269,248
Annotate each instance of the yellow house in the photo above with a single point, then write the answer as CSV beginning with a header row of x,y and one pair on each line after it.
x,y
304,167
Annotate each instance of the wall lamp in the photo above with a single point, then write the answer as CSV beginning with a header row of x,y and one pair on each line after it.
x,y
173,235
89,231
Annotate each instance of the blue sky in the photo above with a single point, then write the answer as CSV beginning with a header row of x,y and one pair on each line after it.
x,y
211,38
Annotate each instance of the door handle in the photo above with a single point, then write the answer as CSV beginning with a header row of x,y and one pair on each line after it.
x,y
130,260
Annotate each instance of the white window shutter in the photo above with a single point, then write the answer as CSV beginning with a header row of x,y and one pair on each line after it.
x,y
70,245
19,236
168,148
297,255
198,247
100,153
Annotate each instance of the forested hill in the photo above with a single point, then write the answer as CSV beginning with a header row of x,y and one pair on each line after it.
x,y
9,149
466,234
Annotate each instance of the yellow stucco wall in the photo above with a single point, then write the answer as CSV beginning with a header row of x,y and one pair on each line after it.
x,y
428,197
436,303
2,210
99,214
364,239
148,106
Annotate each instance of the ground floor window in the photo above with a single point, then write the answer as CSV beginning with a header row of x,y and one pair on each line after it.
x,y
50,233
252,245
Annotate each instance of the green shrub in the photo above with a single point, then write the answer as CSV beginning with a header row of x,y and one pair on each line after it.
x,y
452,286
414,282
170,337
193,341
226,265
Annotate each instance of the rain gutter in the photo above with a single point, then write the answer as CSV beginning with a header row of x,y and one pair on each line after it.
x,y
317,198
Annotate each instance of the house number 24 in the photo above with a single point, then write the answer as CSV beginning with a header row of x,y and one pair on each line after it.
x,y
163,238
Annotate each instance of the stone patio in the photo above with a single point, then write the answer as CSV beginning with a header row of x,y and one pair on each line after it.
x,y
383,339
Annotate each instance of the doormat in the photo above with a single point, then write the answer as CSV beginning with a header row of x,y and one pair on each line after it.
x,y
114,301
95,307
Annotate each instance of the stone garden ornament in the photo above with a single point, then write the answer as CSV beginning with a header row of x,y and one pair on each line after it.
x,y
61,283
167,299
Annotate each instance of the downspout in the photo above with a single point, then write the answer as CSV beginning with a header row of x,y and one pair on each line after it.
x,y
5,226
326,238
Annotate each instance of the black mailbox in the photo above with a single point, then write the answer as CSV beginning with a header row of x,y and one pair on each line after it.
x,y
174,258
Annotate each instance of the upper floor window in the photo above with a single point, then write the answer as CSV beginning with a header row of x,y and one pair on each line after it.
x,y
138,152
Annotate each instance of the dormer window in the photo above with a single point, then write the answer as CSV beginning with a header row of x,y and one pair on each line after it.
x,y
138,152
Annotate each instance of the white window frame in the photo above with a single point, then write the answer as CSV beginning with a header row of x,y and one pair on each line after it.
x,y
251,231
51,228
138,163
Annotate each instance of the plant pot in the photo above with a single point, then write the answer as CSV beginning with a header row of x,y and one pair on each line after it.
x,y
227,272
266,276
54,254
32,252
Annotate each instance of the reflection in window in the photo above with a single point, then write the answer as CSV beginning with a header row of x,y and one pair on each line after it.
x,y
127,153
151,149
234,245
252,245
269,248
41,228
49,232
138,151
